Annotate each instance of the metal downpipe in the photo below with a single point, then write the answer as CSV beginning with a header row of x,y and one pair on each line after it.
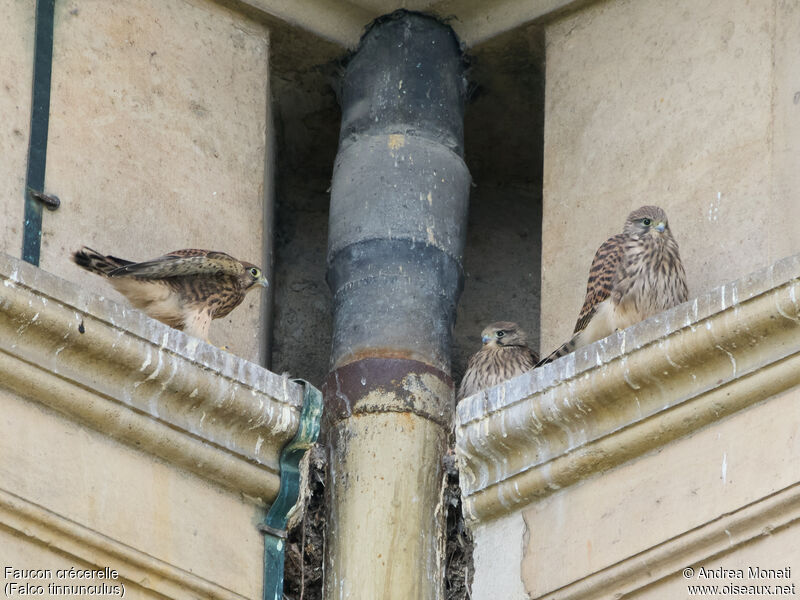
x,y
398,218
277,518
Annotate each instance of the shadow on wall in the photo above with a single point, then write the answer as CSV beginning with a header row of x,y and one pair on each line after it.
x,y
504,130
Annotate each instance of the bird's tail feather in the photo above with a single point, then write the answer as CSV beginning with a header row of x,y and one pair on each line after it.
x,y
562,350
97,263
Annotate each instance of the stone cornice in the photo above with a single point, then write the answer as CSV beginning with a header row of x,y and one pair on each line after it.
x,y
630,393
143,383
343,21
339,21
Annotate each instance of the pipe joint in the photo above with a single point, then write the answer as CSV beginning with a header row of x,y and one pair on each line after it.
x,y
381,385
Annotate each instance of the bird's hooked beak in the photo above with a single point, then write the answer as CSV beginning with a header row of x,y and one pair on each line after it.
x,y
660,226
262,281
486,338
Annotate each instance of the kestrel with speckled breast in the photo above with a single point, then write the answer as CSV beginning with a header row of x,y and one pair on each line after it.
x,y
635,274
185,289
505,354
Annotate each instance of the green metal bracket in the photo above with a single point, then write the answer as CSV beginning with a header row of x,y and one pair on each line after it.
x,y
274,525
40,117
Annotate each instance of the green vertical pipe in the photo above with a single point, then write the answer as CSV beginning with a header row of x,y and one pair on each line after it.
x,y
274,525
40,116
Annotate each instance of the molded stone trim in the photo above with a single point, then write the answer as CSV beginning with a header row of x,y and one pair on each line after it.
x,y
630,393
134,379
41,526
712,540
475,21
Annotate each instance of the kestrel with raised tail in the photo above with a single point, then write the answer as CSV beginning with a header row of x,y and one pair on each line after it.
x,y
635,274
185,289
505,354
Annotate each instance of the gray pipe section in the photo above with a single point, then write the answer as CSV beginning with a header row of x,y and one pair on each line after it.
x,y
400,194
396,239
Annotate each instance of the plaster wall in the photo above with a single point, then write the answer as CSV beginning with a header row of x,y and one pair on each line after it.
x,y
501,266
726,496
127,445
499,547
157,137
158,128
98,503
16,55
609,520
688,105
691,106
27,552
767,552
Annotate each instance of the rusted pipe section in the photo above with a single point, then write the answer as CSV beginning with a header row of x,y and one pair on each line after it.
x,y
397,228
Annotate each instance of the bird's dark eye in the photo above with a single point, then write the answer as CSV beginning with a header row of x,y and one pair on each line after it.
x,y
254,272
646,222
501,333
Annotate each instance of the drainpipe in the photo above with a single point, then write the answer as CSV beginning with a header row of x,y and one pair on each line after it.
x,y
396,237
277,518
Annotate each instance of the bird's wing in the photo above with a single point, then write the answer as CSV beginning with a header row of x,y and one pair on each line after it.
x,y
517,360
534,357
181,263
606,261
469,383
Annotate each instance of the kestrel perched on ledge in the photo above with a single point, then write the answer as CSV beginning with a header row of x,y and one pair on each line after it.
x,y
635,274
185,289
505,354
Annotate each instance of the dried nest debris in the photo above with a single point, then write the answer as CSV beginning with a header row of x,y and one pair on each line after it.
x,y
306,542
459,565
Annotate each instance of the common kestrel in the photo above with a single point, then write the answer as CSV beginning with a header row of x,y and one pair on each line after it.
x,y
185,289
635,275
505,354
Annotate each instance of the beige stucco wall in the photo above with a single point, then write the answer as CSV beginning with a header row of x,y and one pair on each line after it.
x,y
609,522
126,444
16,53
694,107
158,127
688,105
669,445
87,481
156,142
773,551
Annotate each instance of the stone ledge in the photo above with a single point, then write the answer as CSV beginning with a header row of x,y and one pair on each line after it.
x,y
148,385
630,393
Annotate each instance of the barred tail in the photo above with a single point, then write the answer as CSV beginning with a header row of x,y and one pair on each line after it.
x,y
562,350
95,262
